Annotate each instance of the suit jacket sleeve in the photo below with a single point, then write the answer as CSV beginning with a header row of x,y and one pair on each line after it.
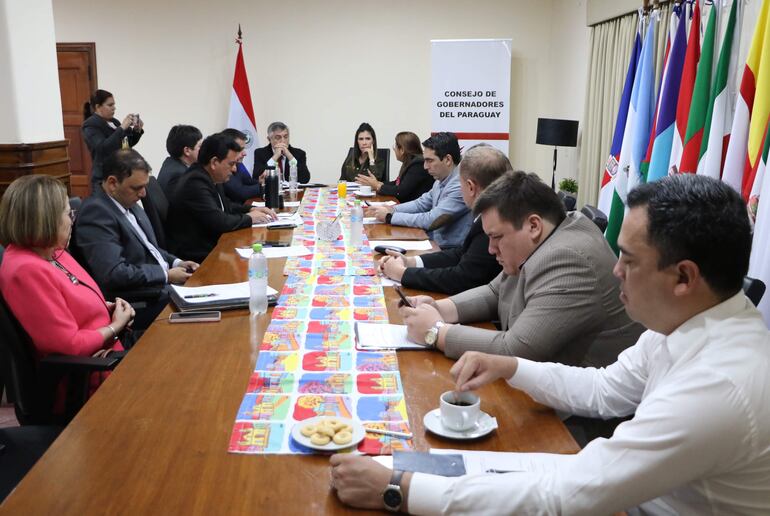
x,y
98,236
560,303
303,173
454,270
241,187
260,162
200,203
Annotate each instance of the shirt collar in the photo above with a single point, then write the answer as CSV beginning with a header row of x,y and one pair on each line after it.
x,y
682,340
455,172
564,222
120,206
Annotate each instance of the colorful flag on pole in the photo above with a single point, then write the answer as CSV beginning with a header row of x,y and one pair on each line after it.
x,y
637,133
700,99
611,168
751,109
686,89
759,266
722,103
665,124
241,114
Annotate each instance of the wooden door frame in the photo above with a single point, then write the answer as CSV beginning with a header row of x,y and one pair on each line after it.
x,y
83,47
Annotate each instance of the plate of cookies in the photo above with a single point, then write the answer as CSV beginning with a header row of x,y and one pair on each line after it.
x,y
328,433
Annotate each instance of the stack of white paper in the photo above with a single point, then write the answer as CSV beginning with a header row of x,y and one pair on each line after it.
x,y
384,336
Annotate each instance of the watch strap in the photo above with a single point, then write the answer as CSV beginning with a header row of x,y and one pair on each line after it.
x,y
395,479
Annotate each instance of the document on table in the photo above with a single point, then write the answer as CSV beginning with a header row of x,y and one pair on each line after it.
x,y
372,220
508,462
387,282
383,336
283,220
286,204
223,294
380,203
275,252
409,245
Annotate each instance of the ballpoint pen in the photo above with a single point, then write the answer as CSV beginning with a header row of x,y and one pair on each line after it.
x,y
194,296
392,433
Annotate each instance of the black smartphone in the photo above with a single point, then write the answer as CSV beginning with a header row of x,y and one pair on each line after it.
x,y
404,301
282,226
186,317
382,249
275,243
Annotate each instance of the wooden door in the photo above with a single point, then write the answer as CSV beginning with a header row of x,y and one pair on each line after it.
x,y
77,80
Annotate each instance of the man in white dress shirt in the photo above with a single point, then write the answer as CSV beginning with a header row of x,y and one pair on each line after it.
x,y
698,382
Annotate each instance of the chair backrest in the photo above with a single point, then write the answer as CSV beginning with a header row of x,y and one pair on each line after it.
x,y
75,203
33,402
568,200
754,289
156,207
383,154
596,215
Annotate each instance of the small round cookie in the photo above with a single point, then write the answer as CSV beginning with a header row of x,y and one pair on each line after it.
x,y
346,428
325,430
331,421
308,430
320,439
338,425
343,437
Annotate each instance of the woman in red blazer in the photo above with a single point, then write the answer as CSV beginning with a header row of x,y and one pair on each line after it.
x,y
54,299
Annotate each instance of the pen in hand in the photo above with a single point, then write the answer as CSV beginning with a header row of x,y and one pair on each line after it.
x,y
404,301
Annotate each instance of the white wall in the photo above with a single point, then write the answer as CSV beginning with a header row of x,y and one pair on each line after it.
x,y
30,101
324,67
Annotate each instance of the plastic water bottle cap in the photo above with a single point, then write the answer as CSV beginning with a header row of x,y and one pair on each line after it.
x,y
357,202
257,248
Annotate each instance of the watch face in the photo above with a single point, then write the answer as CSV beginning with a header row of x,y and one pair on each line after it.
x,y
392,498
430,337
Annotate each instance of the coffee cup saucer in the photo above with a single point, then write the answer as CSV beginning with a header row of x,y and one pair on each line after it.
x,y
483,426
362,194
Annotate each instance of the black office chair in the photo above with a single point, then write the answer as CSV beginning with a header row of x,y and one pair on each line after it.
x,y
596,215
568,199
754,289
156,207
32,384
383,154
21,447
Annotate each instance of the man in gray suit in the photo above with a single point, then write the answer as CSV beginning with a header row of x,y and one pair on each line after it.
x,y
556,299
115,239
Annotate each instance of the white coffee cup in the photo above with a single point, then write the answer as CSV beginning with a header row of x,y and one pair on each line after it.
x,y
459,410
365,190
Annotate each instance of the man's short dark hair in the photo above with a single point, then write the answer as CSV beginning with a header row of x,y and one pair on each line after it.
x,y
516,195
483,164
235,134
181,136
217,146
122,163
443,144
698,218
275,127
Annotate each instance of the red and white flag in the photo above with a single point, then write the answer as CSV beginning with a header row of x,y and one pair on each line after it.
x,y
241,114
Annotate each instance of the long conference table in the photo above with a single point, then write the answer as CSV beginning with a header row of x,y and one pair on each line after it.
x,y
153,439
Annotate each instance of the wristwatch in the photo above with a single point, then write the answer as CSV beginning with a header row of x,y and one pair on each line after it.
x,y
431,336
392,496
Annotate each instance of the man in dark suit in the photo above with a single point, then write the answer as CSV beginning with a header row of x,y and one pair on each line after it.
x,y
115,238
241,186
460,268
183,143
199,210
281,155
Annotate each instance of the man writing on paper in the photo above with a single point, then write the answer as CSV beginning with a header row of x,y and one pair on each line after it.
x,y
697,382
279,154
115,238
556,298
461,268
441,211
199,210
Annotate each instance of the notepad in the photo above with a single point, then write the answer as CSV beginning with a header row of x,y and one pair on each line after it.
x,y
374,336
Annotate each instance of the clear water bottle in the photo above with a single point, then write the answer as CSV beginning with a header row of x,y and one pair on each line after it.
x,y
293,177
257,281
356,224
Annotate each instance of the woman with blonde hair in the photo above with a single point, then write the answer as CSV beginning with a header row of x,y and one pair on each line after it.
x,y
54,299
413,180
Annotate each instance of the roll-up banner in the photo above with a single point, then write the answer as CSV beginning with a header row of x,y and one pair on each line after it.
x,y
471,82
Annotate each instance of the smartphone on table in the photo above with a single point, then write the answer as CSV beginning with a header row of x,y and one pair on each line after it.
x,y
189,317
